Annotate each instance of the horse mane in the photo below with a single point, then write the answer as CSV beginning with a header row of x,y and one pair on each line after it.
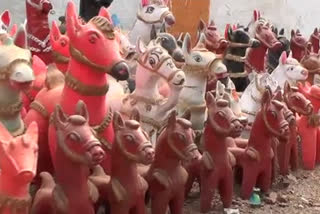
x,y
103,24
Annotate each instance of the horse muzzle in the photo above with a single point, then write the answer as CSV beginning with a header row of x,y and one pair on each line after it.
x,y
120,71
147,154
178,56
284,130
170,19
255,43
236,128
96,155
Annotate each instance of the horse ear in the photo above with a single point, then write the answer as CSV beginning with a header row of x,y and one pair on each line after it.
x,y
118,122
202,25
172,118
297,31
290,54
210,99
60,117
287,87
187,115
166,2
20,39
278,96
153,33
135,115
259,14
163,28
81,109
283,58
281,32
55,32
266,97
186,46
104,12
255,15
13,30
72,20
226,32
31,135
5,18
141,47
144,3
315,31
219,88
275,30
201,41
293,33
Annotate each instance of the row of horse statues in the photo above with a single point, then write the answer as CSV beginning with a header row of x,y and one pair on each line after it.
x,y
91,115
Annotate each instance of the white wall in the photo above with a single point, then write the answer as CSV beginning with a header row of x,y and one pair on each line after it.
x,y
290,14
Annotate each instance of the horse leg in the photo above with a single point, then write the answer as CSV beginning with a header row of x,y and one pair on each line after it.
x,y
119,209
208,185
176,204
140,208
294,157
308,145
265,179
226,189
249,180
318,146
159,204
283,155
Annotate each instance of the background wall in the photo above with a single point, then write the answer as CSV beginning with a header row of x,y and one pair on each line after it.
x,y
290,14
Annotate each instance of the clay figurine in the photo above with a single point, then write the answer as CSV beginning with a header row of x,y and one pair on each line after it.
x,y
315,40
167,177
311,61
298,44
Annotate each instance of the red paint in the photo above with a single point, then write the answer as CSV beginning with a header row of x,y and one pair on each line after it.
x,y
298,45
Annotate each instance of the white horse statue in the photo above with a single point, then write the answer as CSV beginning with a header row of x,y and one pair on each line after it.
x,y
151,12
199,65
289,69
154,64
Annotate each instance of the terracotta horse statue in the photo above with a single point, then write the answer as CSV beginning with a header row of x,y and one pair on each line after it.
x,y
308,127
298,45
257,158
296,103
200,65
154,64
60,48
273,56
289,69
151,12
38,30
166,176
214,41
78,150
18,157
235,55
217,161
16,75
260,29
315,40
311,61
132,146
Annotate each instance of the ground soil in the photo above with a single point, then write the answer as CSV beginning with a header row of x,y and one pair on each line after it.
x,y
298,193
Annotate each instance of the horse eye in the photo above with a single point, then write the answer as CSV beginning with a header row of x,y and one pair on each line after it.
x,y
63,43
297,98
181,136
150,10
93,38
274,114
152,61
129,138
221,114
74,136
197,58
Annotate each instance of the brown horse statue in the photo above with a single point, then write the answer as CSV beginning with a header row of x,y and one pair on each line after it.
x,y
167,177
298,44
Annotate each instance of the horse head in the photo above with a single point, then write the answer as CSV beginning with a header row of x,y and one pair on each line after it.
x,y
96,36
296,101
40,6
221,118
298,44
214,41
19,155
168,42
240,38
273,115
158,61
201,60
131,140
75,136
60,48
292,68
262,30
155,12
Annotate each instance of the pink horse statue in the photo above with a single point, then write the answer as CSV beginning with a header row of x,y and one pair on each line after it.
x,y
38,28
18,157
315,40
298,45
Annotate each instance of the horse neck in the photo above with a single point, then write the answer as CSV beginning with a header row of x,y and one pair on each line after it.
x,y
233,66
96,105
256,57
142,30
281,77
73,178
12,188
214,143
315,45
297,52
37,21
121,167
260,137
248,104
146,83
195,82
165,157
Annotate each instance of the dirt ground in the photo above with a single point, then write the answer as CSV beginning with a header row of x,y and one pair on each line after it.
x,y
298,193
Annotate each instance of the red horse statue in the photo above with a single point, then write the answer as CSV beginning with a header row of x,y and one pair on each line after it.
x,y
262,31
315,40
256,159
311,61
214,41
18,157
77,152
132,146
287,151
60,48
167,177
217,161
38,28
308,127
298,45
